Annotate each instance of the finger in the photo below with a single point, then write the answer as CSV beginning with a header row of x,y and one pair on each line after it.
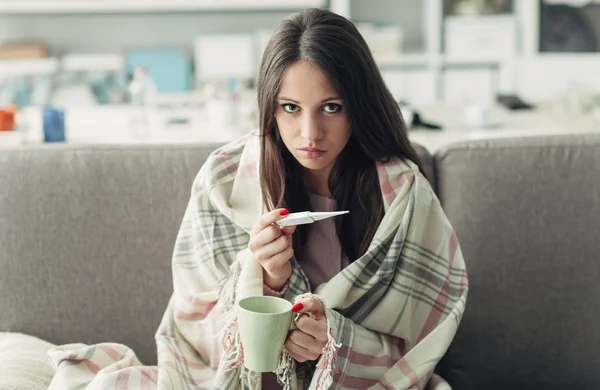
x,y
312,327
288,230
296,357
272,249
311,305
265,237
268,219
277,262
304,340
298,352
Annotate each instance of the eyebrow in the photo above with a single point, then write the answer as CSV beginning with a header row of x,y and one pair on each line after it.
x,y
322,101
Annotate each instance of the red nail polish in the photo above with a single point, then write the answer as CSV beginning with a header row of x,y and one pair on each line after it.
x,y
284,212
297,307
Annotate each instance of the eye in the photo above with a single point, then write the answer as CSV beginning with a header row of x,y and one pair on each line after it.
x,y
289,108
332,108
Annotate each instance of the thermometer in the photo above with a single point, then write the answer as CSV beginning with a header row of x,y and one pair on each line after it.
x,y
305,217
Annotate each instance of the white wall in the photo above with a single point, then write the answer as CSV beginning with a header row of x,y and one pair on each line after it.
x,y
407,13
537,78
117,32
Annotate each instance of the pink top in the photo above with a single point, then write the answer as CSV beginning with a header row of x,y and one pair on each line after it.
x,y
321,259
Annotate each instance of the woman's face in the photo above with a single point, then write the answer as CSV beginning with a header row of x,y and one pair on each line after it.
x,y
311,118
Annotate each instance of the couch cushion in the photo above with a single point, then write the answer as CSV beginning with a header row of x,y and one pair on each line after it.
x,y
86,237
527,214
24,363
426,162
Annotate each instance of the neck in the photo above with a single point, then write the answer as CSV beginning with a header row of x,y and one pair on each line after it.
x,y
317,182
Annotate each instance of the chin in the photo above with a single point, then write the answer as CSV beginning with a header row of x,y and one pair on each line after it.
x,y
314,164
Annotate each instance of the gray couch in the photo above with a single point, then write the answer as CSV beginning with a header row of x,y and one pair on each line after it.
x,y
86,235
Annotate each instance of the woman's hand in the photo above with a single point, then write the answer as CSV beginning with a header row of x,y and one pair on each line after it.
x,y
272,247
310,337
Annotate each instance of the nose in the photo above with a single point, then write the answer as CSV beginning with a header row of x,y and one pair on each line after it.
x,y
311,128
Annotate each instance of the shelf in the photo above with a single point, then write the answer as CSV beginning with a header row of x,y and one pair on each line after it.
x,y
483,61
434,61
117,6
403,61
33,67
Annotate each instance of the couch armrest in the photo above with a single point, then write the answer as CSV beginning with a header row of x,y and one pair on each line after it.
x,y
24,363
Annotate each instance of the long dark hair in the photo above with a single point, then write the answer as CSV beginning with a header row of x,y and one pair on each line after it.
x,y
332,44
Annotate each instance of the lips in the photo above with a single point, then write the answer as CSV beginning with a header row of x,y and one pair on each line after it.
x,y
311,152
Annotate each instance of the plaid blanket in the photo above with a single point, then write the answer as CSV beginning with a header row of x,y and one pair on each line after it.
x,y
391,314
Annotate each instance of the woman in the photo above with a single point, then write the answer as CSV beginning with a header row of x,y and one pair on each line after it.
x,y
385,284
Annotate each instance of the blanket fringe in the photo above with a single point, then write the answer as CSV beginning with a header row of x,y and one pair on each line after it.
x,y
229,336
232,345
327,365
250,379
228,290
285,370
328,362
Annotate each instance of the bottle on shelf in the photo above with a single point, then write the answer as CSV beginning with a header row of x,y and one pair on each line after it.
x,y
142,97
9,129
7,119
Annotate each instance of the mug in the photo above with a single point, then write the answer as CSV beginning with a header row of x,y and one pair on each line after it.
x,y
264,323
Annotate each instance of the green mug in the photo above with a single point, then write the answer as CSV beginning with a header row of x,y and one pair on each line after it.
x,y
264,323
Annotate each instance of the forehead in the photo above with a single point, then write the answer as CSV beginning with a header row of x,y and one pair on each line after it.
x,y
304,82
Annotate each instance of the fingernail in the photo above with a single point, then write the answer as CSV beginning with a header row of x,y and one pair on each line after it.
x,y
297,307
284,212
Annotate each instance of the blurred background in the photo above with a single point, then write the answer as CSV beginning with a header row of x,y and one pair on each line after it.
x,y
139,71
